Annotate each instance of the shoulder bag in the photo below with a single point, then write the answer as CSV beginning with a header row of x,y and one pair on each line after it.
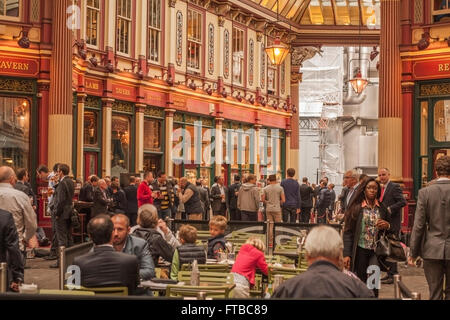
x,y
390,248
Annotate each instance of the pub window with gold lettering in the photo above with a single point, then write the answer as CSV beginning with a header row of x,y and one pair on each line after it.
x,y
10,9
14,132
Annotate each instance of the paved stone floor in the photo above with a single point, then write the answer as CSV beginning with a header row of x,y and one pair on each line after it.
x,y
47,278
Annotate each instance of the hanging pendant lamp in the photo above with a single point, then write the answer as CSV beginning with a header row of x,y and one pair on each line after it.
x,y
277,52
358,83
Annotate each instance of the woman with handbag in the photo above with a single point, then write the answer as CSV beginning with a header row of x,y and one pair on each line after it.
x,y
364,221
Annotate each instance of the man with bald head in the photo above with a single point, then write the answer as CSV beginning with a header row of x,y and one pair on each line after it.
x,y
101,200
18,204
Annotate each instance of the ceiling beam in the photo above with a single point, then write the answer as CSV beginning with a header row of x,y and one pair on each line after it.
x,y
301,12
288,7
333,5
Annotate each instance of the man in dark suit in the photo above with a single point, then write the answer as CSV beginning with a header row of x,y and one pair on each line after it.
x,y
203,197
23,185
219,195
101,200
62,207
393,199
352,181
10,251
105,267
430,238
233,191
306,194
132,205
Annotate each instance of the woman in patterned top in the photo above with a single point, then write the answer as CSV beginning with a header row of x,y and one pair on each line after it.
x,y
364,220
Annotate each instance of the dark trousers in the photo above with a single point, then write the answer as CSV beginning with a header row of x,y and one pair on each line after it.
x,y
63,232
54,246
222,211
289,214
249,216
235,214
365,258
305,214
435,272
321,215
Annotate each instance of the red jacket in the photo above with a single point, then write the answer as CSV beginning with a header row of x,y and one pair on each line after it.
x,y
144,194
249,258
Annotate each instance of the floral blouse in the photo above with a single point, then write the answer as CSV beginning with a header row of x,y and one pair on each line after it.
x,y
368,237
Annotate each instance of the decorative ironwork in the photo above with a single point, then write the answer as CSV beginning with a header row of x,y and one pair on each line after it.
x,y
92,102
17,85
211,49
263,66
154,112
301,54
207,122
179,37
438,89
418,11
35,11
190,119
226,53
178,117
283,78
251,49
122,106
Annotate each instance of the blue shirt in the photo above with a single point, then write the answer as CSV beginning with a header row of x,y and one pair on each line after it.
x,y
292,193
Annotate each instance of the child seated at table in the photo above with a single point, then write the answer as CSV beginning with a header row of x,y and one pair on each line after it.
x,y
250,257
216,244
188,251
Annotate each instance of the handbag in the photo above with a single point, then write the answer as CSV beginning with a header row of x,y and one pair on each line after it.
x,y
390,248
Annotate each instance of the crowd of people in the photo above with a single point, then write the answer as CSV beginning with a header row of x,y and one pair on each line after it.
x,y
128,226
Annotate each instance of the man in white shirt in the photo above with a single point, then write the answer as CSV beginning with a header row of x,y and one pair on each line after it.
x,y
18,204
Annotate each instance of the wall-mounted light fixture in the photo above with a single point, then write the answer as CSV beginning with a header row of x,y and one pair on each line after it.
x,y
24,41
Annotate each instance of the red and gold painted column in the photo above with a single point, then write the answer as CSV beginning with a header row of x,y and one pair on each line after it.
x,y
407,100
139,156
296,78
169,141
390,107
60,108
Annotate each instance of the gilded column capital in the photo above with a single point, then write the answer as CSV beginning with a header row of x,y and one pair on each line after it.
x,y
140,107
81,97
169,112
107,102
408,87
172,3
221,21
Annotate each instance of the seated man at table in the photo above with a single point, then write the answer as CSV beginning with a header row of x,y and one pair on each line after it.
x,y
104,267
125,242
147,222
324,277
216,244
188,251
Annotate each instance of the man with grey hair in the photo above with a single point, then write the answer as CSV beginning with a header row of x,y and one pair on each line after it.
x,y
325,277
18,204
351,180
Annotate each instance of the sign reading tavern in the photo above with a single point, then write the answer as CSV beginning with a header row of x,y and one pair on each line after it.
x,y
18,66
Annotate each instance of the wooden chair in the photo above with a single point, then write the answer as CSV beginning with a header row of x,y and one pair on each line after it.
x,y
67,292
218,278
287,273
207,267
219,291
104,291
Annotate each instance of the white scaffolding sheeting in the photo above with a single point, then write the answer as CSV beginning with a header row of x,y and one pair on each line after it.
x,y
322,83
